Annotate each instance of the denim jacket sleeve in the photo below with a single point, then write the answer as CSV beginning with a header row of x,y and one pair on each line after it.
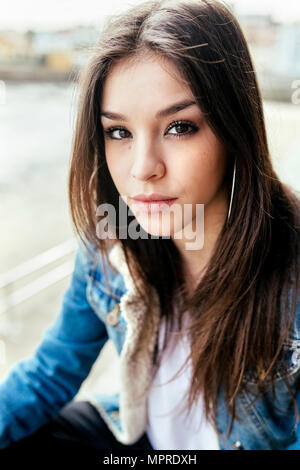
x,y
38,387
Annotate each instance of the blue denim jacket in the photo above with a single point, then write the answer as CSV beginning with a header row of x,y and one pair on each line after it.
x,y
38,387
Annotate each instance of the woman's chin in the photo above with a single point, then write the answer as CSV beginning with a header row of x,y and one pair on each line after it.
x,y
157,228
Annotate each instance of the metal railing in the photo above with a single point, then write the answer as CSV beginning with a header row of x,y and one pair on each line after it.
x,y
11,296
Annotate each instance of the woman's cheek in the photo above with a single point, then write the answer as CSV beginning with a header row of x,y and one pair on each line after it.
x,y
114,163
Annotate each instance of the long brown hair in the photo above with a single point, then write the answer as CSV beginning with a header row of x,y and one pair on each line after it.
x,y
241,311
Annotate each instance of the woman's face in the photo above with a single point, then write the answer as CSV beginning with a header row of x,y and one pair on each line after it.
x,y
173,153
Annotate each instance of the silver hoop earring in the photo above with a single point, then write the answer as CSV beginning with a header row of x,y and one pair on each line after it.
x,y
232,190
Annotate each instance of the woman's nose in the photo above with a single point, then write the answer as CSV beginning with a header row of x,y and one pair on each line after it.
x,y
147,161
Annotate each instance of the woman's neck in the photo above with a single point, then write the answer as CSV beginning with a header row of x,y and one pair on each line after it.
x,y
195,262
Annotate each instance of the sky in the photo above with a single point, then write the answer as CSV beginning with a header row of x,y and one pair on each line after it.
x,y
51,14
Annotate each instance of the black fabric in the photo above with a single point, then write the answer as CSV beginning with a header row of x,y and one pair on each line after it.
x,y
77,429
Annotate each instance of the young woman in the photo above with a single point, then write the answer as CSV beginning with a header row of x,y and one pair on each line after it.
x,y
170,109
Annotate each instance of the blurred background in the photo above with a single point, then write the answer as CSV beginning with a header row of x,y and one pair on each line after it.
x,y
42,47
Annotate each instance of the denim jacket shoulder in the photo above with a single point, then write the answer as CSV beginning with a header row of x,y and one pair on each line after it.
x,y
104,292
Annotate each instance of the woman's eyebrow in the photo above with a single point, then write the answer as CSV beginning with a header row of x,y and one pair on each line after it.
x,y
174,108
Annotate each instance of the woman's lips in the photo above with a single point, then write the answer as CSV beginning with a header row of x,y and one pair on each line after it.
x,y
152,206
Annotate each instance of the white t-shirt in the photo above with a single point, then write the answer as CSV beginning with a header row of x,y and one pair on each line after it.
x,y
169,428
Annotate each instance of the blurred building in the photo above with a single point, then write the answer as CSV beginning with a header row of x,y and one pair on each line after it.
x,y
14,46
45,54
287,50
51,55
275,48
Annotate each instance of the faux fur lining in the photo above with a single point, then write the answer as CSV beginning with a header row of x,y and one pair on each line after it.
x,y
136,354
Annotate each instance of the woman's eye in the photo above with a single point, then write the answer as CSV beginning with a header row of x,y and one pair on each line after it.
x,y
111,131
120,133
181,128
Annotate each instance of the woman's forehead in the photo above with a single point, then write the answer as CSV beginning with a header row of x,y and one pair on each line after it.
x,y
150,79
